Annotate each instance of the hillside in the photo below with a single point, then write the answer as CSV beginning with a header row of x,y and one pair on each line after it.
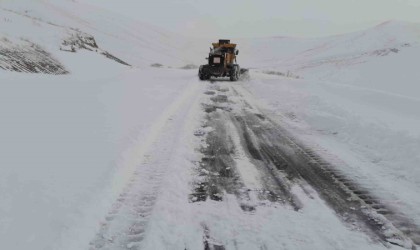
x,y
62,27
371,58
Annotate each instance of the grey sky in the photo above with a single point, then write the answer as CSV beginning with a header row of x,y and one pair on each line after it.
x,y
246,18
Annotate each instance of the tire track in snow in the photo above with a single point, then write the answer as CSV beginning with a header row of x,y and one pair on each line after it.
x,y
354,204
125,226
263,203
228,165
260,156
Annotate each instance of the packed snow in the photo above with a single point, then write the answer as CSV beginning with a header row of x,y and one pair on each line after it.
x,y
75,143
357,98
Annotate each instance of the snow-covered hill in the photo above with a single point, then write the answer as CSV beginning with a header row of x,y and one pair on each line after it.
x,y
61,27
375,58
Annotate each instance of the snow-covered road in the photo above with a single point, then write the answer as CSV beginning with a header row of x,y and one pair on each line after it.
x,y
171,162
220,172
127,223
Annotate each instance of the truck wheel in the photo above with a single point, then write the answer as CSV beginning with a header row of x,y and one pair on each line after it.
x,y
234,75
203,77
201,73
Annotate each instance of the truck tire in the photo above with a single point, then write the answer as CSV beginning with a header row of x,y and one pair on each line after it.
x,y
234,75
202,73
203,77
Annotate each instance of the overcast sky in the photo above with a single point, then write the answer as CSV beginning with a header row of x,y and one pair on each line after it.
x,y
246,18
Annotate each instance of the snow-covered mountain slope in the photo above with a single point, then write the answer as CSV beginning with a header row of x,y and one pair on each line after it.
x,y
374,58
61,27
25,56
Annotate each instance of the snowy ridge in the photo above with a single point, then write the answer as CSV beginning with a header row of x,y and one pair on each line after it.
x,y
290,51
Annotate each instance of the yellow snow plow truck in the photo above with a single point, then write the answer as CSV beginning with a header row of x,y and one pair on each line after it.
x,y
221,62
